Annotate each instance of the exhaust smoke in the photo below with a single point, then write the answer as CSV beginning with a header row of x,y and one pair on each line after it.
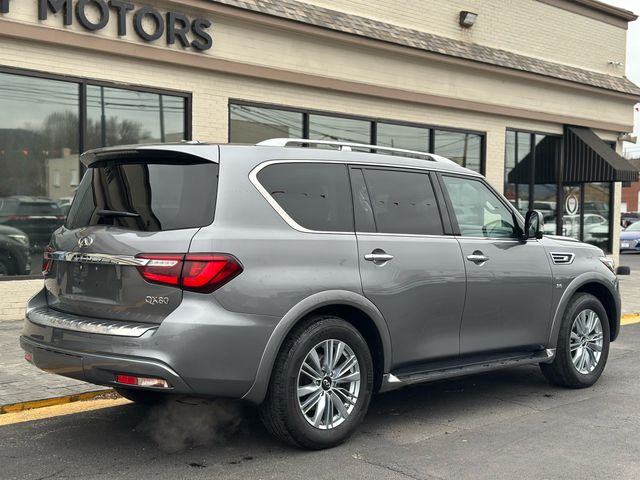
x,y
184,422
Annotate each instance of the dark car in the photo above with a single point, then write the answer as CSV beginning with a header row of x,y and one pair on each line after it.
x,y
38,217
15,258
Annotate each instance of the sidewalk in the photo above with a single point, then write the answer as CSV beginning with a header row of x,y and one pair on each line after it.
x,y
22,382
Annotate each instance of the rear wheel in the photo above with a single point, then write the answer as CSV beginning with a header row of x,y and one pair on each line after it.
x,y
145,397
321,384
583,344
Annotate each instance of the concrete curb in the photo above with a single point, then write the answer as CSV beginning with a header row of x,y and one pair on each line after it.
x,y
49,402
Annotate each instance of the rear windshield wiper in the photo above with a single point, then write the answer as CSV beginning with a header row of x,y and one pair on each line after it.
x,y
115,213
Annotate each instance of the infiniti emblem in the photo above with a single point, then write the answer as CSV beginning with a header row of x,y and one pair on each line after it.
x,y
85,242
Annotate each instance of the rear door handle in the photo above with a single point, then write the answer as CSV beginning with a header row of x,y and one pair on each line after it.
x,y
477,257
378,256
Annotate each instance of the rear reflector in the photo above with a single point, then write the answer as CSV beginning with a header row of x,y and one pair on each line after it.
x,y
46,260
197,272
28,357
142,381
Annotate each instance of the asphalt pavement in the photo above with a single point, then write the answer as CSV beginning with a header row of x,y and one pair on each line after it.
x,y
501,425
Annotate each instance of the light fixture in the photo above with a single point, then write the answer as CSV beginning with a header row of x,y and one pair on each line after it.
x,y
467,19
628,137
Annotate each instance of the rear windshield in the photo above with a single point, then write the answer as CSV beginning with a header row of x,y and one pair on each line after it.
x,y
156,196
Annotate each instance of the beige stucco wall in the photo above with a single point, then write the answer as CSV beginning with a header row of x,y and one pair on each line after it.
x,y
528,27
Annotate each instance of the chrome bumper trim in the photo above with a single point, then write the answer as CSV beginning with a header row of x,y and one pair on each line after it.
x,y
102,258
46,317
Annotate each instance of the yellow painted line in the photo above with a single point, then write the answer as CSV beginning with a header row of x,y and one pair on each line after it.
x,y
59,410
48,402
630,318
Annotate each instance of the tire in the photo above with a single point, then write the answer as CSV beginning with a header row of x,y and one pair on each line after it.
x,y
6,266
144,397
282,413
563,371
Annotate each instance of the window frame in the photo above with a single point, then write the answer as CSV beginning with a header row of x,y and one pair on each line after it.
x,y
516,216
82,83
373,121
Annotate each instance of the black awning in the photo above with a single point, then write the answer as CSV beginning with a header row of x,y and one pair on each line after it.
x,y
589,159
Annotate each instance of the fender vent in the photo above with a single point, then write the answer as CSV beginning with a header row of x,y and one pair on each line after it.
x,y
561,258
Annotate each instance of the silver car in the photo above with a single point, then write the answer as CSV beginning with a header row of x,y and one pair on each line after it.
x,y
304,276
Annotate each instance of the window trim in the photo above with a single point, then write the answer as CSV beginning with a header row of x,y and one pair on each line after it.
x,y
82,83
374,121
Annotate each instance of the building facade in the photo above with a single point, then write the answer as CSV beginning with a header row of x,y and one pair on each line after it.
x,y
531,93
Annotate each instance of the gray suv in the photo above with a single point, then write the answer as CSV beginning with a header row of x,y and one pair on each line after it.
x,y
304,276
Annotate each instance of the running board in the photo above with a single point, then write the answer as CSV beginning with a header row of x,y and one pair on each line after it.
x,y
391,381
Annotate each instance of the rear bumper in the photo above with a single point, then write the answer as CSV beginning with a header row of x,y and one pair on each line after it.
x,y
199,349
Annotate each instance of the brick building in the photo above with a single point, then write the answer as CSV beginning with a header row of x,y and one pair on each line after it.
x,y
530,92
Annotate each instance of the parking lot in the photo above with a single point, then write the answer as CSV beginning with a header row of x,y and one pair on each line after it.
x,y
509,424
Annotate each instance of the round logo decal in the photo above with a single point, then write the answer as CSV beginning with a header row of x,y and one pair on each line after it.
x,y
571,204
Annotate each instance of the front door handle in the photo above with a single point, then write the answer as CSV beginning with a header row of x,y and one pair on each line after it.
x,y
378,256
478,257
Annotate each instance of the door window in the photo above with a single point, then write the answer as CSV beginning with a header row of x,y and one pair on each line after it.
x,y
314,195
478,211
403,202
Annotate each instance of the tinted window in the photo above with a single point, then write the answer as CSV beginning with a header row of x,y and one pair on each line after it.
x,y
403,202
361,203
477,209
314,195
165,197
461,147
323,127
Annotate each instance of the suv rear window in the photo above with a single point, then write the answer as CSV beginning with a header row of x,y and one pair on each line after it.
x,y
162,196
315,195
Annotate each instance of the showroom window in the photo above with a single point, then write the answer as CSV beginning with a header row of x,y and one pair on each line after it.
x,y
250,123
533,181
41,138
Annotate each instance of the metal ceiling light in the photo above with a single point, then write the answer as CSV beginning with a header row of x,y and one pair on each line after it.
x,y
467,19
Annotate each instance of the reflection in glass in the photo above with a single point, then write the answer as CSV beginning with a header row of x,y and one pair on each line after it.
x,y
545,189
518,161
463,148
596,214
323,127
402,136
571,211
255,124
121,117
39,143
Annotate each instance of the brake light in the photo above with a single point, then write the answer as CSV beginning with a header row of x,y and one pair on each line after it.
x,y
46,260
198,272
142,381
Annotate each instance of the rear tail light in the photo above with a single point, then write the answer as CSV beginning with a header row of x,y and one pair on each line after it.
x,y
142,381
46,260
197,272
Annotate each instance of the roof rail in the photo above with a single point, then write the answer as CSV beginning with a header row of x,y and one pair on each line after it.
x,y
348,146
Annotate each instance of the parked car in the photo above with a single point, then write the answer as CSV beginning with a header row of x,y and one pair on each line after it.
x,y
306,279
15,258
630,238
38,217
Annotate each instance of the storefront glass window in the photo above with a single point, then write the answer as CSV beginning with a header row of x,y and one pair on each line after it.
x,y
323,127
518,169
596,214
254,124
545,187
39,143
403,136
461,147
120,117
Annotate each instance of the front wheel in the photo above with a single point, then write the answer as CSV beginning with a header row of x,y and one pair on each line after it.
x,y
583,344
321,384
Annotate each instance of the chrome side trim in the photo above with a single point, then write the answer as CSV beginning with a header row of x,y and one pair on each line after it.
x,y
103,258
562,258
46,317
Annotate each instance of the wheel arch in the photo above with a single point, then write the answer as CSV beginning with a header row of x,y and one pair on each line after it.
x,y
353,308
601,288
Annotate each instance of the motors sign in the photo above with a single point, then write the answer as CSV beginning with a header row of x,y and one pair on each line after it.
x,y
148,23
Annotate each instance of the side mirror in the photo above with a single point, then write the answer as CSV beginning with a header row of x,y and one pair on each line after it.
x,y
533,225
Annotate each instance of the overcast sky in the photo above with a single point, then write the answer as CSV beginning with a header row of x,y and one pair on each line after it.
x,y
633,58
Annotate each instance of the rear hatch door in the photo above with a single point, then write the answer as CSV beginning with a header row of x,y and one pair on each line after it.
x,y
129,210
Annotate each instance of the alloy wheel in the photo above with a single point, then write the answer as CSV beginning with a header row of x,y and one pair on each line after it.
x,y
328,384
586,341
